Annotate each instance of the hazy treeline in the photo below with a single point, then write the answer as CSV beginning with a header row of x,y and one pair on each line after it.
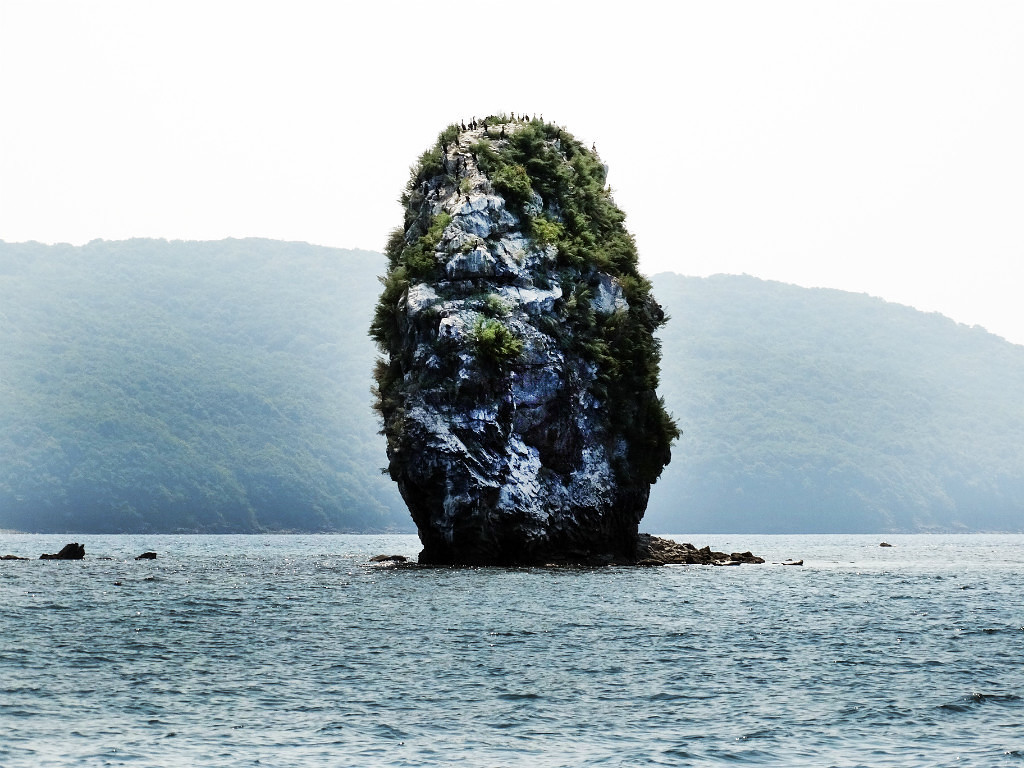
x,y
210,386
148,385
826,411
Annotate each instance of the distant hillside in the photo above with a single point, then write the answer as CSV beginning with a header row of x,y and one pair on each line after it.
x,y
210,386
148,385
819,410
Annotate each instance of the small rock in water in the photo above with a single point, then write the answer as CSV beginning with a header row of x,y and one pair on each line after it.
x,y
12,557
74,551
746,557
885,544
388,559
147,556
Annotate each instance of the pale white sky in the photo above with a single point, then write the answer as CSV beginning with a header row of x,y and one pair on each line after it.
x,y
868,146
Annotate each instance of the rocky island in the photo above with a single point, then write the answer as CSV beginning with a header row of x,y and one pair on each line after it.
x,y
517,386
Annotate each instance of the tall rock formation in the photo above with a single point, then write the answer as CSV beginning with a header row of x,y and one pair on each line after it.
x,y
517,387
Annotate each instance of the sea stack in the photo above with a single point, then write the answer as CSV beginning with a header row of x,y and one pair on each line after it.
x,y
519,369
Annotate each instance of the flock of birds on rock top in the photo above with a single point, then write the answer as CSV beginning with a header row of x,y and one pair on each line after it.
x,y
486,122
484,125
473,124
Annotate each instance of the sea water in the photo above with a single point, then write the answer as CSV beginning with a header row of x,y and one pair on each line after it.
x,y
293,651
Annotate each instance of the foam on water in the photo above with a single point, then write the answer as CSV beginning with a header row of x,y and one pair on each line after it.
x,y
289,651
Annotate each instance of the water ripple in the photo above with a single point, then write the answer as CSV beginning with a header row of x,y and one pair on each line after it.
x,y
284,651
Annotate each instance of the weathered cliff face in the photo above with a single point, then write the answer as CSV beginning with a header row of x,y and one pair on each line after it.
x,y
517,391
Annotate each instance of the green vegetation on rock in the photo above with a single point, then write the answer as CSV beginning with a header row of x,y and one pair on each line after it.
x,y
557,188
495,342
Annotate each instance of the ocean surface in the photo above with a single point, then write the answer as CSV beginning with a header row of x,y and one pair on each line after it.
x,y
292,651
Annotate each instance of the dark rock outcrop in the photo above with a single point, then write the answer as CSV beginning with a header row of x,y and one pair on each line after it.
x,y
517,390
147,556
650,551
388,559
653,550
69,552
12,557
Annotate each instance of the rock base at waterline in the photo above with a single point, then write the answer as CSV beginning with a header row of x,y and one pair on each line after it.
x,y
653,550
650,551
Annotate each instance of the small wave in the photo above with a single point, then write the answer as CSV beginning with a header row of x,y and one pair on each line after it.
x,y
520,633
14,711
966,631
976,699
23,688
391,732
666,696
675,753
761,733
334,727
740,756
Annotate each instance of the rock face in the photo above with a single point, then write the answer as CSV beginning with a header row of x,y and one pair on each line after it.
x,y
68,552
517,387
653,550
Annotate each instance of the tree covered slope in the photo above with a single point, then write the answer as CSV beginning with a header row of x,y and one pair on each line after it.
x,y
225,386
207,386
820,410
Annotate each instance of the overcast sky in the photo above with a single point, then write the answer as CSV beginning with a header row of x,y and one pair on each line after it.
x,y
875,147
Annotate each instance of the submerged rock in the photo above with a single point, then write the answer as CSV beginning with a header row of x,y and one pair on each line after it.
x,y
517,387
69,552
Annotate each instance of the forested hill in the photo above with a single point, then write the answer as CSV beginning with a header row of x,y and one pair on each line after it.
x,y
200,386
148,385
825,411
